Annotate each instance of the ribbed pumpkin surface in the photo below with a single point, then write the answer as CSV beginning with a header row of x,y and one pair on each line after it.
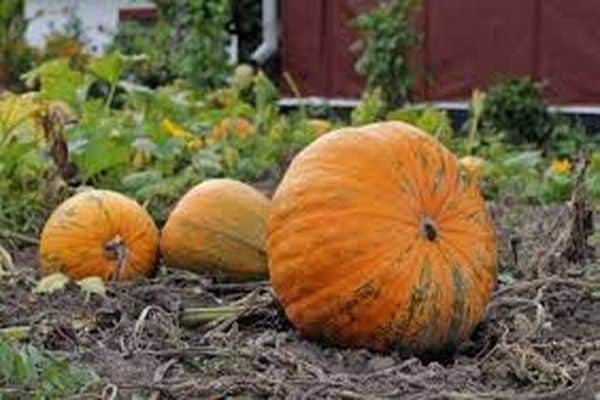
x,y
218,227
99,233
377,238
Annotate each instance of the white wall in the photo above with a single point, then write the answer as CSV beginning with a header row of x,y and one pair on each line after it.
x,y
99,20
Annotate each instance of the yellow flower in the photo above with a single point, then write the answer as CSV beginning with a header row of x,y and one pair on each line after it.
x,y
561,166
175,130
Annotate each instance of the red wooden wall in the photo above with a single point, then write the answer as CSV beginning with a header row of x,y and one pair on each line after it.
x,y
467,44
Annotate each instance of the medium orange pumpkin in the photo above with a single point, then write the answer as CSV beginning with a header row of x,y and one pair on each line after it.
x,y
218,227
241,127
99,233
376,239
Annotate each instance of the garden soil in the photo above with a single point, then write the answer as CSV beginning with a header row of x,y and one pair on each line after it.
x,y
540,338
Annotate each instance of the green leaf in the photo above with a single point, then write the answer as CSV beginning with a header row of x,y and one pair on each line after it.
x,y
113,65
138,180
144,144
409,115
208,162
102,153
51,283
58,81
528,159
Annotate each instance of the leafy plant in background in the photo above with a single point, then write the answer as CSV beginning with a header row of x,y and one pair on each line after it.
x,y
188,41
516,108
387,37
516,175
152,144
592,178
372,107
23,162
154,41
431,120
33,374
16,56
558,181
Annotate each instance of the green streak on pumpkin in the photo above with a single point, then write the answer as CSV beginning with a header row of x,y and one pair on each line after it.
x,y
417,301
459,306
424,160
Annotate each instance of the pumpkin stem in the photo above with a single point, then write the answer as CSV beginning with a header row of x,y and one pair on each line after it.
x,y
116,250
429,229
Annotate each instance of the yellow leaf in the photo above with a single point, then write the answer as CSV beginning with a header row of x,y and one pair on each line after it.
x,y
6,263
92,285
175,130
21,114
51,283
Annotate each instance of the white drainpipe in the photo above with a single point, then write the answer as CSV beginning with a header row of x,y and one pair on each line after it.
x,y
270,32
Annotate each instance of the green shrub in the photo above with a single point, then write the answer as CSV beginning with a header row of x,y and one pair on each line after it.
x,y
431,120
188,41
16,56
516,108
387,37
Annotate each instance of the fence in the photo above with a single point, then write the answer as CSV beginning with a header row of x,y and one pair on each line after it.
x,y
467,44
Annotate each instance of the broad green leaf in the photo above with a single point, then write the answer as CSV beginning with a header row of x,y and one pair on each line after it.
x,y
207,162
409,115
144,144
524,159
138,180
59,81
51,283
23,370
102,153
113,65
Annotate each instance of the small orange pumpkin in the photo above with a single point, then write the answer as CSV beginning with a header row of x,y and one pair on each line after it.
x,y
241,127
99,233
376,239
218,227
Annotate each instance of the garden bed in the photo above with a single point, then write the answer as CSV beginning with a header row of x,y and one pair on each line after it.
x,y
541,337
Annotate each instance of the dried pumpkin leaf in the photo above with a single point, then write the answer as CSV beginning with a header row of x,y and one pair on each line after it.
x,y
6,263
51,283
92,285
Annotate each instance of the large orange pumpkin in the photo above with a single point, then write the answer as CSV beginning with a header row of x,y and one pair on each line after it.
x,y
377,239
99,233
218,227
